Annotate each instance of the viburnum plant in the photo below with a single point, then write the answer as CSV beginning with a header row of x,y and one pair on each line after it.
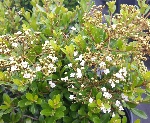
x,y
72,67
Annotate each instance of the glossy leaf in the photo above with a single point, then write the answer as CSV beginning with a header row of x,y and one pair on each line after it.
x,y
139,113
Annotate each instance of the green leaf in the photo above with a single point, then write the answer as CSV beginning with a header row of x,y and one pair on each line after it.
x,y
50,119
74,106
59,114
119,43
58,98
61,108
76,121
46,112
137,121
28,120
124,119
93,104
98,102
131,105
96,120
21,103
111,6
99,95
139,113
105,118
2,76
39,101
18,82
67,119
1,121
51,103
33,109
82,111
4,107
29,96
147,75
40,8
6,98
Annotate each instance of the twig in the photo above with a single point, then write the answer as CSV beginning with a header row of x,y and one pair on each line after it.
x,y
30,117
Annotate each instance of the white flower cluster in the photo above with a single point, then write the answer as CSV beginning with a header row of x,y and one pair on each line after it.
x,y
124,97
102,65
106,94
48,63
4,48
64,79
118,104
71,97
90,100
121,74
52,84
112,83
104,109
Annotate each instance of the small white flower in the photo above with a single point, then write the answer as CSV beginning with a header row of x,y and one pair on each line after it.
x,y
80,58
11,58
108,58
117,81
72,75
73,28
113,85
119,76
117,103
110,81
46,42
75,53
24,64
50,65
103,89
72,86
82,63
27,32
109,110
103,108
19,12
38,68
71,97
82,85
54,59
27,75
124,97
6,13
80,94
93,58
121,108
13,68
70,65
66,78
90,100
52,84
114,26
78,74
15,44
106,71
113,114
102,64
107,95
19,33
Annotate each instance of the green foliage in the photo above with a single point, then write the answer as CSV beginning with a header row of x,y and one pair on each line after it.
x,y
60,63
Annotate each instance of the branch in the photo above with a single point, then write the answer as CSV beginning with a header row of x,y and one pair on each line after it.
x,y
30,117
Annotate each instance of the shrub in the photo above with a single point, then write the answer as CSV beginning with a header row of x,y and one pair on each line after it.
x,y
68,66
